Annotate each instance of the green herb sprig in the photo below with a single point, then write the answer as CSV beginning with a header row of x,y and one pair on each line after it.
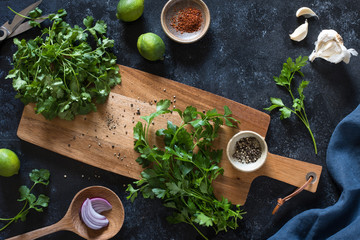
x,y
31,201
61,72
180,175
33,16
287,74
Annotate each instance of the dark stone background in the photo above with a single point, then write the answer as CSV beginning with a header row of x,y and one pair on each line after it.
x,y
244,48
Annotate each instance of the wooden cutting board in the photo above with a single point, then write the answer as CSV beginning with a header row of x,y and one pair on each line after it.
x,y
104,139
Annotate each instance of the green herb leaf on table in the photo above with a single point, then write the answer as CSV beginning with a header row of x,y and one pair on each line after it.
x,y
33,15
61,72
37,12
180,175
290,68
31,201
40,176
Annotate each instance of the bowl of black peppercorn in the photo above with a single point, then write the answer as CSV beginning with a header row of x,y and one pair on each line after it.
x,y
247,151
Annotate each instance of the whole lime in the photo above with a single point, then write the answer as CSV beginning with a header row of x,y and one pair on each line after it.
x,y
9,163
151,46
129,10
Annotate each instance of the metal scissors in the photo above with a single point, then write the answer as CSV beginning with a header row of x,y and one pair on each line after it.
x,y
17,26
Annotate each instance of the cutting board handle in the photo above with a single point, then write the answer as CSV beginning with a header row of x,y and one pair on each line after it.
x,y
291,171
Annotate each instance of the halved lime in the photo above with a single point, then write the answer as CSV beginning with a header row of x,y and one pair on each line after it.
x,y
9,163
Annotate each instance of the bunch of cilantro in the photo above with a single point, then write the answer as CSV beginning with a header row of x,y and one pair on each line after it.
x,y
63,72
182,173
30,200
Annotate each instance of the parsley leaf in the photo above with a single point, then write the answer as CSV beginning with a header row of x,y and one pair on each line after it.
x,y
61,72
181,176
202,219
287,74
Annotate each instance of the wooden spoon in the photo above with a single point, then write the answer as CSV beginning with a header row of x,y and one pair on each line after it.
x,y
72,220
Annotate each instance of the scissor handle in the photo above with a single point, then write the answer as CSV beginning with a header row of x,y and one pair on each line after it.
x,y
5,33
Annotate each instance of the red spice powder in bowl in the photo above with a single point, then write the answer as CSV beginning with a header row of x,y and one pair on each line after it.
x,y
185,21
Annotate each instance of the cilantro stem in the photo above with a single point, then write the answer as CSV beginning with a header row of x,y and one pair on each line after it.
x,y
289,85
37,70
26,17
175,135
14,218
64,79
313,139
303,108
72,69
82,69
303,117
312,135
146,141
7,224
307,125
191,223
18,13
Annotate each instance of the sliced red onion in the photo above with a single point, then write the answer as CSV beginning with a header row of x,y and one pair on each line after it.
x,y
100,205
91,218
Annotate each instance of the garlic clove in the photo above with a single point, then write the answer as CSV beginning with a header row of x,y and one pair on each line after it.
x,y
330,46
300,32
348,54
306,13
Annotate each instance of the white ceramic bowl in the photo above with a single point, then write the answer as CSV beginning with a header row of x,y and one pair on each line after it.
x,y
169,11
246,167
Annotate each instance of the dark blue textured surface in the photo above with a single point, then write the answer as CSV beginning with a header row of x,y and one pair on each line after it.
x,y
245,46
342,220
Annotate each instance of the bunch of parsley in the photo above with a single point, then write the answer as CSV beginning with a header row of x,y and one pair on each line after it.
x,y
31,201
181,173
290,68
61,72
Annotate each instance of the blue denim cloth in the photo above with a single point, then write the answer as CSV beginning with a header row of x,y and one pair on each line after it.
x,y
342,220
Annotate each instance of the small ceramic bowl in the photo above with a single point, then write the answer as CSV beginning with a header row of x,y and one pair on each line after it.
x,y
246,167
171,9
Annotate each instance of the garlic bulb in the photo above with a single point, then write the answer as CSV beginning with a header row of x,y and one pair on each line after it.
x,y
306,12
330,46
300,33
